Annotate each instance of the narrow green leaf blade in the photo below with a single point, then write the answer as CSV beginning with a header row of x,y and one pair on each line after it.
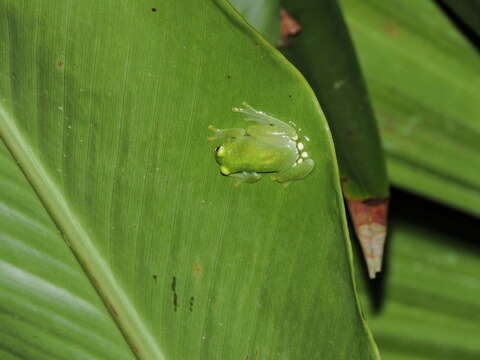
x,y
324,54
111,134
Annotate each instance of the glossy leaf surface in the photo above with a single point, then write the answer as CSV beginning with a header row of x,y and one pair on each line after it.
x,y
48,308
105,108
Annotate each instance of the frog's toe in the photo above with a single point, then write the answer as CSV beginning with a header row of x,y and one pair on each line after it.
x,y
224,170
278,179
215,130
285,184
225,133
246,177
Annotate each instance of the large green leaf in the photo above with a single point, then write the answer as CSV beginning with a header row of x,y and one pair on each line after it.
x,y
423,77
430,306
105,107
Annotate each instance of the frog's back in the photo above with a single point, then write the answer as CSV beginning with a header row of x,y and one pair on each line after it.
x,y
251,155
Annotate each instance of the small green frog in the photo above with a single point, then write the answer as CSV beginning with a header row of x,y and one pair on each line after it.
x,y
269,146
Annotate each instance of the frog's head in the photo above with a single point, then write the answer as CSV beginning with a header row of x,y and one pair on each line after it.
x,y
222,158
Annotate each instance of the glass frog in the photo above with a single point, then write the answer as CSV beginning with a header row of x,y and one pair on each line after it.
x,y
267,146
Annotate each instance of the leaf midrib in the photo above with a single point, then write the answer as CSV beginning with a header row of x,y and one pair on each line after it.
x,y
128,320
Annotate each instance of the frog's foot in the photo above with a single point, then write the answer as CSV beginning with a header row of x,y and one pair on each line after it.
x,y
300,170
225,133
246,177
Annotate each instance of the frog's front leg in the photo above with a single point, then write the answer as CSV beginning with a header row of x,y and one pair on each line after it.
x,y
245,177
225,133
300,170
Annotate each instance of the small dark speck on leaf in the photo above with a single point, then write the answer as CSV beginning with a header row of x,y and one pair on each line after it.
x,y
175,302
154,277
192,300
60,64
154,9
290,96
229,77
175,296
197,269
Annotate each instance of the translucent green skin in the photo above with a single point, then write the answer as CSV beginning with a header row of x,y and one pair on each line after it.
x,y
257,152
270,146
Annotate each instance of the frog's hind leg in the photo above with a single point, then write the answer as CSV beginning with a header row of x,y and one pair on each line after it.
x,y
225,133
246,177
254,115
263,118
300,170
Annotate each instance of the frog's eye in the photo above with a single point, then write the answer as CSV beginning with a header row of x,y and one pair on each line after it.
x,y
219,150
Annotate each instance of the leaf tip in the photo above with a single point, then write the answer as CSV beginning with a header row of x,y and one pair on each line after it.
x,y
288,27
369,219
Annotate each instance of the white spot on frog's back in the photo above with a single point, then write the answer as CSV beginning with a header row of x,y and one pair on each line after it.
x,y
300,146
304,155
